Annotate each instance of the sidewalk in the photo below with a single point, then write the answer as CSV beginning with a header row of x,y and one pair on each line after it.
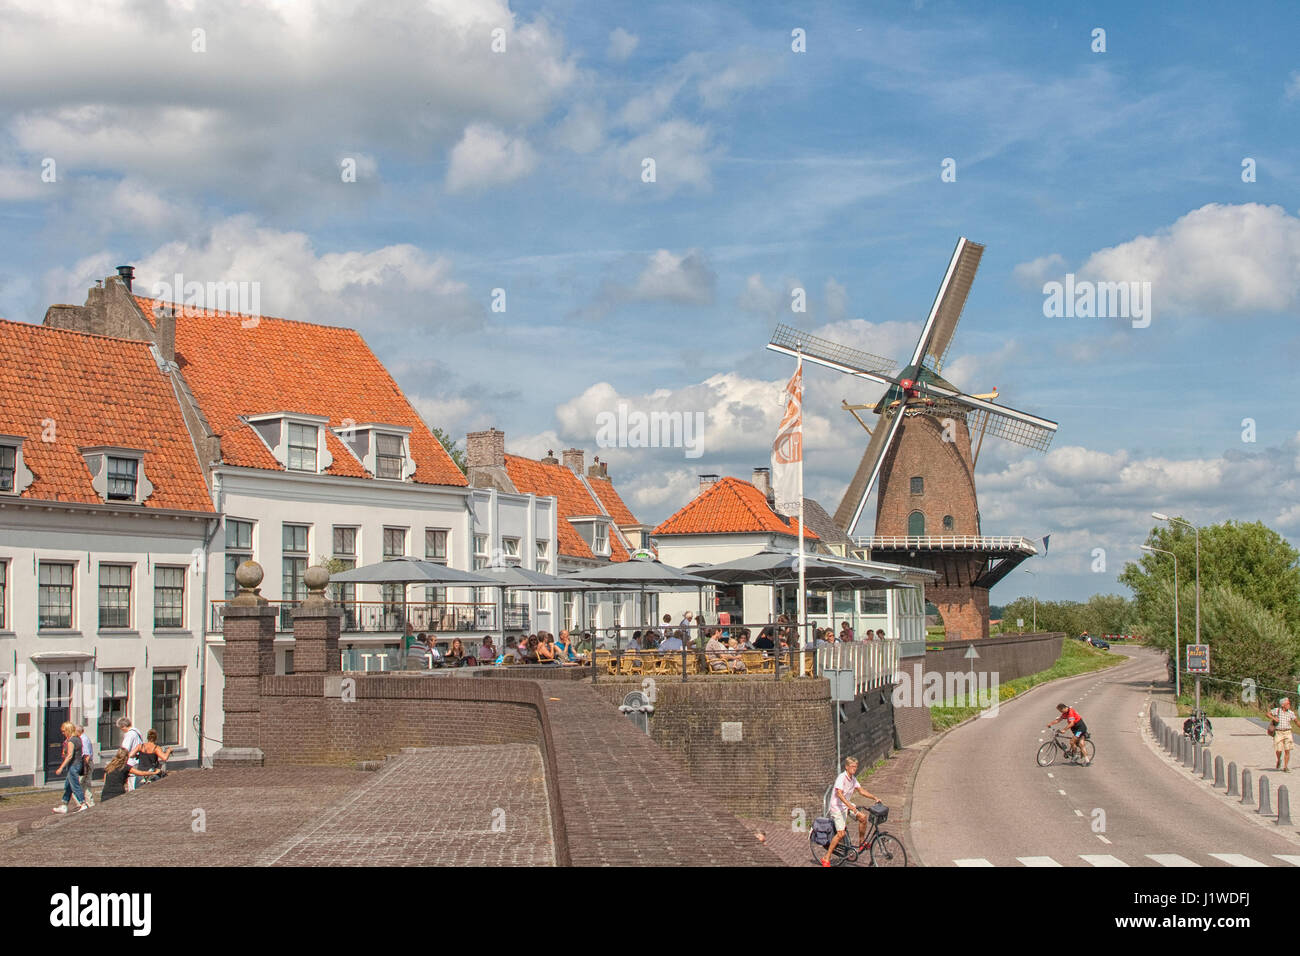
x,y
1239,739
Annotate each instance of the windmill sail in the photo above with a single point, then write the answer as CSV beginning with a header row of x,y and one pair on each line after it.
x,y
797,342
946,310
1010,424
864,479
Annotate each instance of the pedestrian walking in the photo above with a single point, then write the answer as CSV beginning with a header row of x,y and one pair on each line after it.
x,y
87,765
72,764
1280,728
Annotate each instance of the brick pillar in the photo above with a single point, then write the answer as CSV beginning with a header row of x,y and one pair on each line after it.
x,y
316,626
248,627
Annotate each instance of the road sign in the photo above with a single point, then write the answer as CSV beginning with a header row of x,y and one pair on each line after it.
x,y
1020,623
843,687
971,653
1198,658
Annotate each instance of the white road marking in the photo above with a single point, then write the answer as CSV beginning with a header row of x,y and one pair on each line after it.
x,y
974,861
1287,858
1103,839
1078,813
1037,861
1236,859
1102,859
1061,792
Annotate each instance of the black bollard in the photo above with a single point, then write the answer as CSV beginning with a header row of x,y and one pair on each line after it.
x,y
1218,772
1265,805
1283,807
1232,779
1247,791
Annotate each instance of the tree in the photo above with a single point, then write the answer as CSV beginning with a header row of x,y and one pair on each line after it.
x,y
453,449
1251,559
1246,640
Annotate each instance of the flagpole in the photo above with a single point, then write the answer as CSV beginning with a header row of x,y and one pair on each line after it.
x,y
801,603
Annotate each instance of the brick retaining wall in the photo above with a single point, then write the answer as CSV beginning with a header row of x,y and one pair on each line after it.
x,y
1008,655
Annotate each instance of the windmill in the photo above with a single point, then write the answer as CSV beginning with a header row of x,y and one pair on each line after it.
x,y
920,452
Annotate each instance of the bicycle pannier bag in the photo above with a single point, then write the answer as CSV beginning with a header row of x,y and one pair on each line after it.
x,y
823,829
879,812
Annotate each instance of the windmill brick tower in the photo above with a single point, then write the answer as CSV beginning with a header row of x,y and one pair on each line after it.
x,y
923,450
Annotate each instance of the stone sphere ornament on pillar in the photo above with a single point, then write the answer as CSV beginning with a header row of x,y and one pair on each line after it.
x,y
249,576
317,579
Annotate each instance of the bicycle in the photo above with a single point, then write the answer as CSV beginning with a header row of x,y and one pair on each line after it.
x,y
1060,744
1198,727
883,849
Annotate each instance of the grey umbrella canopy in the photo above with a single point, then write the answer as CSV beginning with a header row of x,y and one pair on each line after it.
x,y
640,572
780,567
410,571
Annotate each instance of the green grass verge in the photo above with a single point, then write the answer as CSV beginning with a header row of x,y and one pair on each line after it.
x,y
1219,706
1076,658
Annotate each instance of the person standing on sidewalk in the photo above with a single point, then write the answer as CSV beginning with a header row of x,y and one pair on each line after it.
x,y
71,763
1282,715
87,765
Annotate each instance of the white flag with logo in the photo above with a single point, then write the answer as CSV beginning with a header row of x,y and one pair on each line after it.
x,y
787,450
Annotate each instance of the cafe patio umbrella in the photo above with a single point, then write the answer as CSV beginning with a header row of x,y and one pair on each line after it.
x,y
641,573
410,571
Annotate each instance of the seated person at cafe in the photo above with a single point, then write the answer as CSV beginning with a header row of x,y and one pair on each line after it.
x,y
846,632
765,642
673,642
717,652
487,651
564,645
456,656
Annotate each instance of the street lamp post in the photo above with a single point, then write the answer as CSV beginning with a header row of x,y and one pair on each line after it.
x,y
1034,575
1178,667
1197,531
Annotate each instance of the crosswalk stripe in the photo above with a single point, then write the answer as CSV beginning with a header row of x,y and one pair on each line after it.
x,y
1102,859
1171,859
1286,858
1236,859
975,861
1037,861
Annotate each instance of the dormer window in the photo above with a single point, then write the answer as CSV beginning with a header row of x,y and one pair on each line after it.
x,y
595,531
15,477
122,476
8,462
117,474
295,440
303,441
389,456
384,451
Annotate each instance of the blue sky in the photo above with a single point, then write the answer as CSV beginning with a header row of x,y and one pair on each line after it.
x,y
521,170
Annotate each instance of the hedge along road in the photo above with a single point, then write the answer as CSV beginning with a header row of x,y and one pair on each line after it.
x,y
981,799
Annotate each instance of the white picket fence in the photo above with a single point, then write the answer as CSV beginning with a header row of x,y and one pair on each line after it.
x,y
874,663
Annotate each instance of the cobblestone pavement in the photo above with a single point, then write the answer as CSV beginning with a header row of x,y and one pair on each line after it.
x,y
425,808
447,806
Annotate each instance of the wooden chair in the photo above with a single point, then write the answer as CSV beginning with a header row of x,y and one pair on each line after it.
x,y
631,664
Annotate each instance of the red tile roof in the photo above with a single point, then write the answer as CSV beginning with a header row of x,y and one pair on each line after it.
x,y
729,506
236,367
573,500
95,390
613,501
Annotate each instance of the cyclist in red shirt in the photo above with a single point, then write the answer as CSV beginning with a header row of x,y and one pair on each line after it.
x,y
1075,724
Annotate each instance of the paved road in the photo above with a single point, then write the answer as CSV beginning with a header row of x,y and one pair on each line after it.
x,y
982,800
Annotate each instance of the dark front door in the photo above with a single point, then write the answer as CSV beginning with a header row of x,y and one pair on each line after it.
x,y
58,707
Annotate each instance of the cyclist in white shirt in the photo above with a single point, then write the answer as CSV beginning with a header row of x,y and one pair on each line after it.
x,y
846,785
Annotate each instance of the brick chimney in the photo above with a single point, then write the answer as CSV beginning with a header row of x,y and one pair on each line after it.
x,y
165,337
486,449
762,480
705,482
574,460
598,469
485,454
